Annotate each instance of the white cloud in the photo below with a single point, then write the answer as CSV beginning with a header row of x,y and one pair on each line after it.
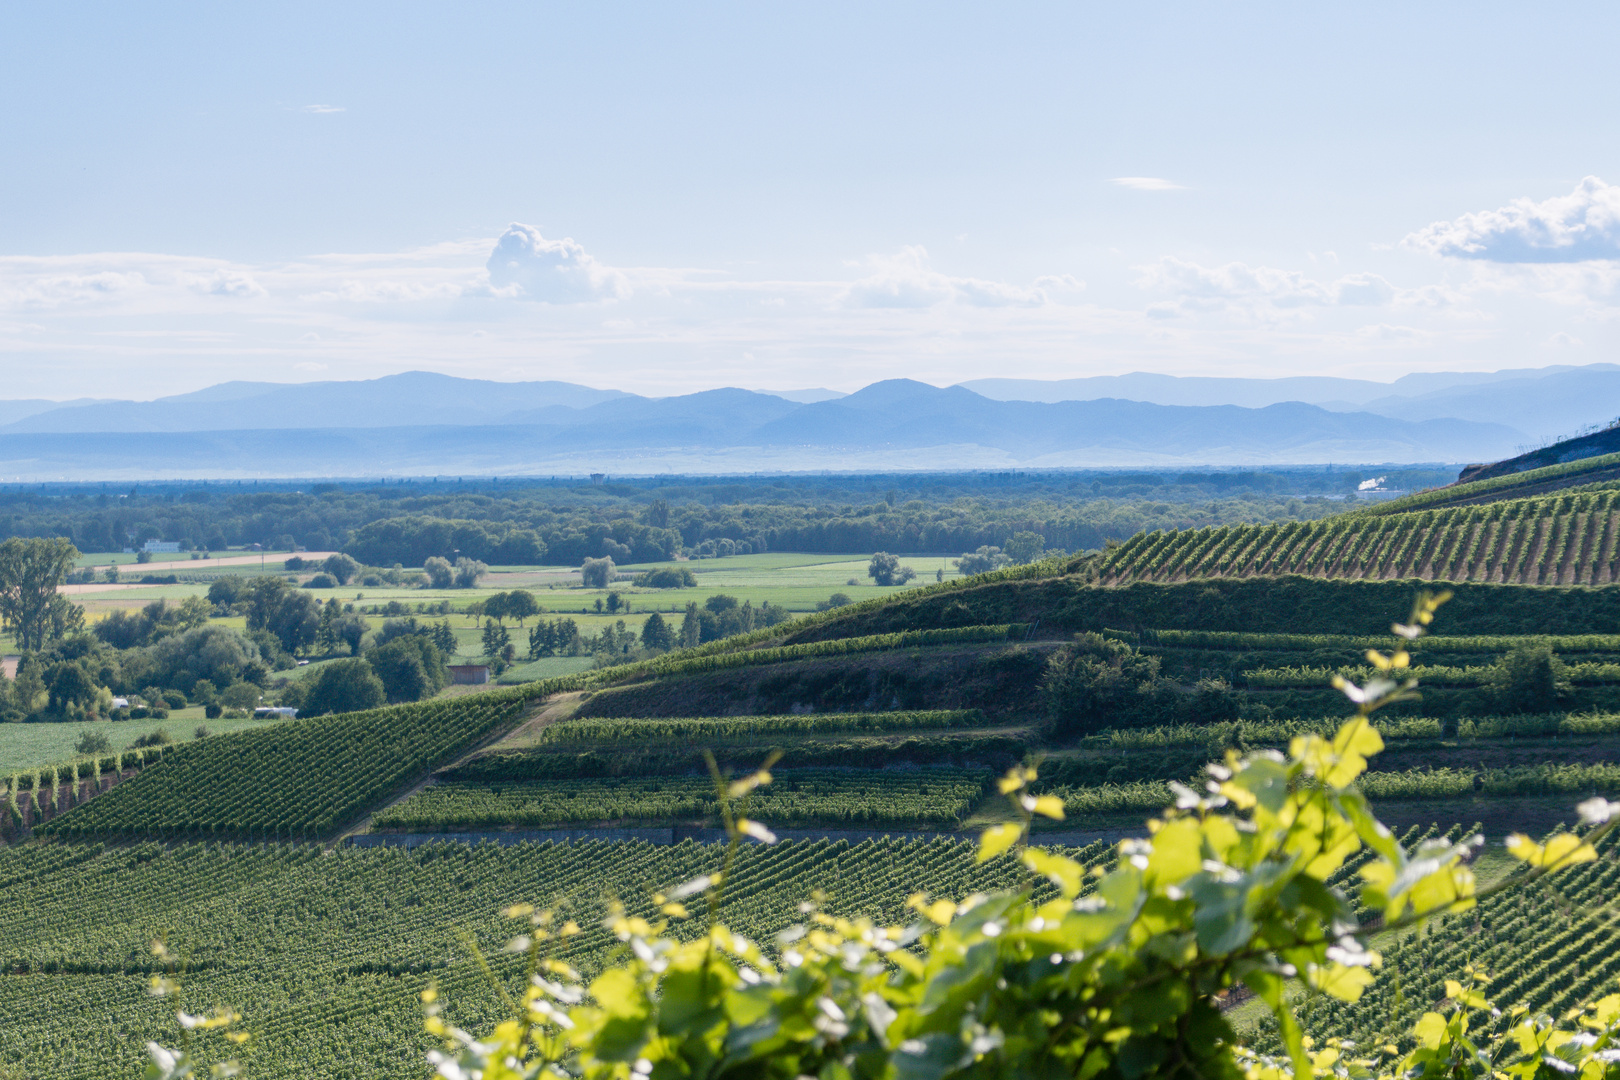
x,y
1147,183
54,290
324,109
552,271
231,283
905,280
1220,286
1581,226
1386,332
1565,340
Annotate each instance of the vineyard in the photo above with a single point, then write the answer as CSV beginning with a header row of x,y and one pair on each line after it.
x,y
932,798
300,779
1476,643
1592,472
1548,951
711,730
1568,539
324,954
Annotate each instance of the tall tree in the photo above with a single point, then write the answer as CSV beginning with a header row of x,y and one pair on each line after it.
x,y
30,571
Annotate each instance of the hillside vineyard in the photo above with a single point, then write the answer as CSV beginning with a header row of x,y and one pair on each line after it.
x,y
1561,540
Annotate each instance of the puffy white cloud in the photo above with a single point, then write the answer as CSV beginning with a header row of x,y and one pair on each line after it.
x,y
906,280
525,263
1147,183
1577,227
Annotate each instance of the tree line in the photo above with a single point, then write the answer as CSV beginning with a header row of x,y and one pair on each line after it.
x,y
408,524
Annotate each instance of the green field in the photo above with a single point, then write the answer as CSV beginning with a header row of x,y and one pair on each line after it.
x,y
28,746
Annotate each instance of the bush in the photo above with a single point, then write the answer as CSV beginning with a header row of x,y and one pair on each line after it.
x,y
213,710
667,577
202,732
160,737
1097,682
322,580
92,741
174,699
1529,678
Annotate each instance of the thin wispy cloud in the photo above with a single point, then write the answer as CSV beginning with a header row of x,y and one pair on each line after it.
x,y
324,108
1147,183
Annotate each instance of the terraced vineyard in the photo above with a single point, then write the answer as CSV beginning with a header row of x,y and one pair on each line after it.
x,y
711,730
300,779
938,798
1568,539
324,954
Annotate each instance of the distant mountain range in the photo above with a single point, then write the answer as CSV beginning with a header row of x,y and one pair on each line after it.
x,y
425,424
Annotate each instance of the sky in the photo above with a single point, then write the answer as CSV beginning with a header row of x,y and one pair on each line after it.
x,y
665,198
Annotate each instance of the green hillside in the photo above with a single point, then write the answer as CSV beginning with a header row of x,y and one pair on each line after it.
x,y
277,861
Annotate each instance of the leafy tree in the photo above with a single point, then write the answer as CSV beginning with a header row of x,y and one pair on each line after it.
x,y
982,561
691,627
596,573
71,689
342,567
444,639
30,571
288,613
613,603
656,634
92,741
656,514
518,604
241,695
885,569
344,686
1025,547
468,571
441,575
224,592
665,577
411,668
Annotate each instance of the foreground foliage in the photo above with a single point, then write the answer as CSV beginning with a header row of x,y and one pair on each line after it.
x,y
1233,888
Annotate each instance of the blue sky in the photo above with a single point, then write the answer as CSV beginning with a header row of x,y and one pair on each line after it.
x,y
782,196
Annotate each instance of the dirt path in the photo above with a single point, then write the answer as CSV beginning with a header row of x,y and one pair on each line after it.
x,y
552,709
